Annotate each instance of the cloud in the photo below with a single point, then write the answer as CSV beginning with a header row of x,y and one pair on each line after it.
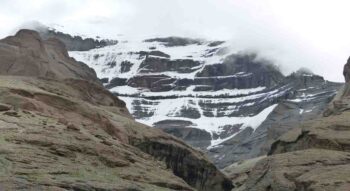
x,y
292,33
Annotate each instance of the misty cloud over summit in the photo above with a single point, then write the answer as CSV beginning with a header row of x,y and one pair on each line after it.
x,y
294,34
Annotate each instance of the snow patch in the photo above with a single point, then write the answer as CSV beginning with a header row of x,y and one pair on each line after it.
x,y
129,51
251,122
189,92
301,111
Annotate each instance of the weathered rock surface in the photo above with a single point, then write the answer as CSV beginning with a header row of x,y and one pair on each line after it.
x,y
263,72
74,43
311,169
38,151
64,132
340,103
26,54
328,132
4,107
312,156
346,71
156,64
239,172
193,136
308,97
325,133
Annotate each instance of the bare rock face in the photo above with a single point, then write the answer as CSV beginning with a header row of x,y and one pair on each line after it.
x,y
325,133
239,172
311,169
81,138
265,73
60,130
41,151
346,71
156,64
26,54
4,107
74,43
312,156
315,156
341,102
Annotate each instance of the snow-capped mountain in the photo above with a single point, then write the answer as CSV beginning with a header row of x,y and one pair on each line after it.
x,y
167,81
231,104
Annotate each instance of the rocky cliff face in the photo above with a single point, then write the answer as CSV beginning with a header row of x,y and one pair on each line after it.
x,y
64,131
26,54
231,104
308,97
312,156
76,43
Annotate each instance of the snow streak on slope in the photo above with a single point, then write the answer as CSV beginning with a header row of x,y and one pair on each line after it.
x,y
189,92
166,109
252,122
221,109
100,59
223,112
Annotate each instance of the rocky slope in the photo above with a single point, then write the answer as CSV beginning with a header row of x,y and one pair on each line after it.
x,y
231,104
61,130
312,156
307,99
26,54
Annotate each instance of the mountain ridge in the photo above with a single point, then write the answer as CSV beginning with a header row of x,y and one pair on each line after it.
x,y
208,82
67,132
282,133
205,94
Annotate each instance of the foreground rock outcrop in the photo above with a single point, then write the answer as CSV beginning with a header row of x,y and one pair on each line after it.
x,y
310,169
312,156
61,130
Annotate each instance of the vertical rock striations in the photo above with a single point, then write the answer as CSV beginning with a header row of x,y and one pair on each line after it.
x,y
200,174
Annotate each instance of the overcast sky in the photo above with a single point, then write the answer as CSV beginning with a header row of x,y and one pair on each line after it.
x,y
292,33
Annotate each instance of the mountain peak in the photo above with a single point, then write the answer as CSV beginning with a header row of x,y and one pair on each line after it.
x,y
23,33
24,38
27,54
303,71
